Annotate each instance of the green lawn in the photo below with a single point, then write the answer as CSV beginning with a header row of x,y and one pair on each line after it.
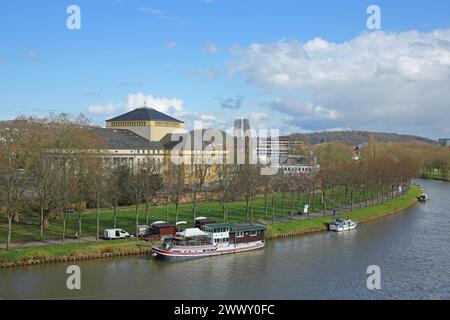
x,y
360,215
29,230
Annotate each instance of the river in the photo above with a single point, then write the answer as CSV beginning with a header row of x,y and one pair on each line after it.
x,y
412,250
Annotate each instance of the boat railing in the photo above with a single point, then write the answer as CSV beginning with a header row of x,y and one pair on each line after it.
x,y
191,243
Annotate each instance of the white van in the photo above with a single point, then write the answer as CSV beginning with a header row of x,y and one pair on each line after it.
x,y
111,234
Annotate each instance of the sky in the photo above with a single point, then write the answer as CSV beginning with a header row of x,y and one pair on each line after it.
x,y
292,65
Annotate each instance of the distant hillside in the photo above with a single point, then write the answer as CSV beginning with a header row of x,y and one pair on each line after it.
x,y
357,137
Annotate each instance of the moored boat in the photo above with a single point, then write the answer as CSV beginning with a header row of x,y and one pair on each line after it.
x,y
212,239
341,225
423,197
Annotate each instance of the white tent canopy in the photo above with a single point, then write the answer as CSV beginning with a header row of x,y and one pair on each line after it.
x,y
192,232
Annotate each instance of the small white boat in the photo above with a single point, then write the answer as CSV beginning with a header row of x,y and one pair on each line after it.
x,y
423,197
341,225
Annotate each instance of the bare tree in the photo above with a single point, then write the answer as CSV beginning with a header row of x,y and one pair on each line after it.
x,y
119,179
176,182
226,180
12,175
201,168
151,172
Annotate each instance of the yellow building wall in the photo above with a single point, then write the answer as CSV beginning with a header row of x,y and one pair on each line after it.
x,y
151,130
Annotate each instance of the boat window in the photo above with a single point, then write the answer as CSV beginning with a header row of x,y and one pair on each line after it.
x,y
253,233
239,235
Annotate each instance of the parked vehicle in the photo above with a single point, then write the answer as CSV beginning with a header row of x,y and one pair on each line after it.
x,y
113,234
144,231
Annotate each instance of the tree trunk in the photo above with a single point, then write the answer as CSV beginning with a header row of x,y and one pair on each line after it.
x,y
115,215
79,224
265,204
351,200
64,230
137,219
292,206
194,205
42,221
146,212
97,236
246,209
8,241
273,209
167,210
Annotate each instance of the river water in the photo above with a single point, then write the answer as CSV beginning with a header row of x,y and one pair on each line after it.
x,y
412,250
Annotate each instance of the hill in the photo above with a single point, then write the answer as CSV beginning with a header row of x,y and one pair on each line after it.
x,y
353,138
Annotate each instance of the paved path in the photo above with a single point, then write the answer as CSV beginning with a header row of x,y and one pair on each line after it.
x,y
26,244
343,209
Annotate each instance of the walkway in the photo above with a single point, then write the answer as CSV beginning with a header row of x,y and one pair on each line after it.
x,y
343,209
26,244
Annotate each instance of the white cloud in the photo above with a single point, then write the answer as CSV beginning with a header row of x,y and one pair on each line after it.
x,y
212,48
151,10
377,80
108,109
160,104
209,73
137,100
160,14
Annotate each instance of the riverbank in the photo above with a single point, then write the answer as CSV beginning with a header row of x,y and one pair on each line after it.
x,y
106,249
436,177
304,227
71,252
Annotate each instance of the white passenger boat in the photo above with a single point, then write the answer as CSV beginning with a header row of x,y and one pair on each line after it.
x,y
342,225
212,239
423,197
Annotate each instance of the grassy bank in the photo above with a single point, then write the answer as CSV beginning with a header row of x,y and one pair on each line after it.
x,y
29,227
281,230
92,250
71,252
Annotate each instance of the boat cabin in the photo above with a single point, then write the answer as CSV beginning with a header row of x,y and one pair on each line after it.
x,y
248,233
230,233
199,222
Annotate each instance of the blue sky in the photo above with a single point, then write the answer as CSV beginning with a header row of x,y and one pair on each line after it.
x,y
193,59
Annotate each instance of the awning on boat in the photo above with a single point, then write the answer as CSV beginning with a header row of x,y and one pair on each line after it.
x,y
192,232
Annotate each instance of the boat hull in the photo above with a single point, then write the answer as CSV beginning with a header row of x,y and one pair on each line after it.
x,y
195,253
344,228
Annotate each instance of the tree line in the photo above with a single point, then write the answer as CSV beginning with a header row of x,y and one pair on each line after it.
x,y
53,166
